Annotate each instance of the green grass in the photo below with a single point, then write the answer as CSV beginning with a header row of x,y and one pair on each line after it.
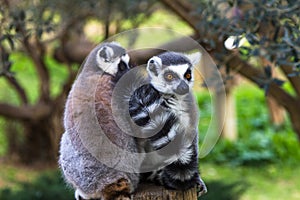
x,y
256,183
24,183
224,182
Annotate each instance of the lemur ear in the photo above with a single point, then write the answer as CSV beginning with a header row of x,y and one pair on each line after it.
x,y
154,66
194,58
106,53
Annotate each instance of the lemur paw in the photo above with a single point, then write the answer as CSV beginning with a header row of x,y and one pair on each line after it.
x,y
122,197
119,190
201,188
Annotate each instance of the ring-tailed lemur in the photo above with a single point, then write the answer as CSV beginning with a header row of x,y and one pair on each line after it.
x,y
88,122
166,110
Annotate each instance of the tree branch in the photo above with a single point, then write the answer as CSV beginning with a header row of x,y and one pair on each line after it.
x,y
36,52
107,19
182,10
18,88
295,81
254,74
73,52
184,44
25,112
236,63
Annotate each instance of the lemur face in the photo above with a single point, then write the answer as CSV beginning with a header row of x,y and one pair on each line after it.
x,y
172,73
113,59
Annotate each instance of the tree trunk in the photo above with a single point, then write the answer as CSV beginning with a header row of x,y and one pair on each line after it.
x,y
12,133
295,119
229,131
153,192
38,145
276,112
41,138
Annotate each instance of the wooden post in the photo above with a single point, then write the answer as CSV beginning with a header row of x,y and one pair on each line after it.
x,y
152,192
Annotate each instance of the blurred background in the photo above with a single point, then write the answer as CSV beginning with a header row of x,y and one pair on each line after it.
x,y
254,43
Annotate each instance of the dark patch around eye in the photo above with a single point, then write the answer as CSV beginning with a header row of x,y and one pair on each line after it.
x,y
188,74
122,66
122,69
102,53
169,74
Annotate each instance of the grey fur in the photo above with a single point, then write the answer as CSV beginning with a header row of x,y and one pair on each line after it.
x,y
118,51
173,58
87,159
167,111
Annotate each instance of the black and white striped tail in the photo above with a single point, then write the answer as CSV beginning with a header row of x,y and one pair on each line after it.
x,y
148,111
181,174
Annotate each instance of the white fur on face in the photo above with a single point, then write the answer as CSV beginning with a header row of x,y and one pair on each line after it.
x,y
111,66
179,69
125,58
157,62
108,67
161,84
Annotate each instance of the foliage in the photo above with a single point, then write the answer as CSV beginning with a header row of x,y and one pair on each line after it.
x,y
43,30
48,21
270,27
258,149
259,142
112,13
263,35
47,186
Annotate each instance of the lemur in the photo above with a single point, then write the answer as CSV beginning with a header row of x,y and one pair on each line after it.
x,y
88,122
166,111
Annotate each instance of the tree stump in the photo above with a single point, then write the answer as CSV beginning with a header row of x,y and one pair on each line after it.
x,y
148,191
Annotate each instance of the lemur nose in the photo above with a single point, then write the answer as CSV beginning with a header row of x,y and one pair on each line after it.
x,y
182,88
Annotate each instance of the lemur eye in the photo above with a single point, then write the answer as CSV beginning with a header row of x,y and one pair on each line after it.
x,y
169,76
188,76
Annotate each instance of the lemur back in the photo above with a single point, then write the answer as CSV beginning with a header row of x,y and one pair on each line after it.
x,y
89,122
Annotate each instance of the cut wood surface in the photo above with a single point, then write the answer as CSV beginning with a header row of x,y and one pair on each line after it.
x,y
149,191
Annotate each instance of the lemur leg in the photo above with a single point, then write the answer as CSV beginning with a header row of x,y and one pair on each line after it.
x,y
119,190
183,173
201,188
79,195
80,198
